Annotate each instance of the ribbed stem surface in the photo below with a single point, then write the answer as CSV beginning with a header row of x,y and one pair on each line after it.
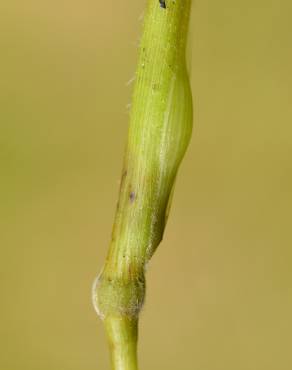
x,y
159,132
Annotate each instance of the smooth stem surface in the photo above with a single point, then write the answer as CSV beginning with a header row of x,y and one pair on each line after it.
x,y
159,133
122,337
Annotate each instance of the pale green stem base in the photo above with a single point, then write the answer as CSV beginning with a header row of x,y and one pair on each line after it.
x,y
122,337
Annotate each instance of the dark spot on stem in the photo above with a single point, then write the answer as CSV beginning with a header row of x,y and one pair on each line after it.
x,y
132,196
162,4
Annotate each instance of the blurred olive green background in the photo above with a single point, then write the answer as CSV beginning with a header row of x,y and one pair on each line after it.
x,y
220,286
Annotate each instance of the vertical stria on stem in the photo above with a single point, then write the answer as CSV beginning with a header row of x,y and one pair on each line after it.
x,y
159,133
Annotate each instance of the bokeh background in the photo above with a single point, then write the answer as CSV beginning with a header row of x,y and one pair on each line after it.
x,y
220,286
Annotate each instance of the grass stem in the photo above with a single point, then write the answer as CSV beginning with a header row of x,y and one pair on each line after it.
x,y
159,133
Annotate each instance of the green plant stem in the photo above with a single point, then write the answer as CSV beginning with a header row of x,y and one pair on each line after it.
x,y
159,133
122,337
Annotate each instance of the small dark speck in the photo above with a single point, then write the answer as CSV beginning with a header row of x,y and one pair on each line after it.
x,y
132,196
162,4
